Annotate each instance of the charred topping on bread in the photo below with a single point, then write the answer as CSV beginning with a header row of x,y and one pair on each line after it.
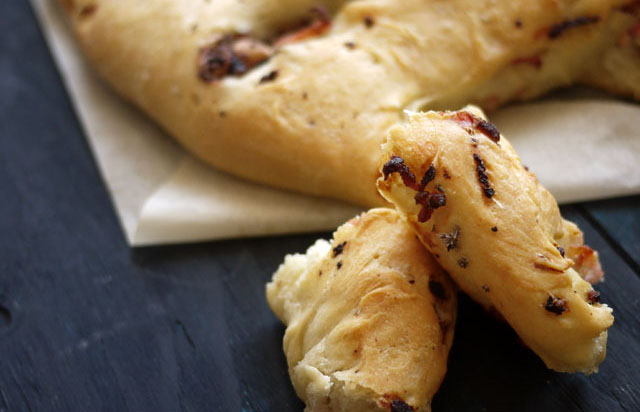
x,y
489,129
338,249
472,123
339,264
463,262
437,290
319,23
428,176
451,239
485,288
350,45
437,200
494,229
232,55
561,250
558,29
271,76
556,305
428,201
396,165
593,297
235,54
483,178
518,23
368,21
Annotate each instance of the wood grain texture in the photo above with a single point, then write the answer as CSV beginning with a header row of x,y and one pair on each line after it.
x,y
87,324
619,221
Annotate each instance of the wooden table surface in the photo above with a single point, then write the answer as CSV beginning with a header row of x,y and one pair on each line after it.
x,y
89,324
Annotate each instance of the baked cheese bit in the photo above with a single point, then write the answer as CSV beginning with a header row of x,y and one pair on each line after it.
x,y
370,318
498,232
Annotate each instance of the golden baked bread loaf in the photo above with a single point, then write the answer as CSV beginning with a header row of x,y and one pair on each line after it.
x,y
370,318
498,233
299,94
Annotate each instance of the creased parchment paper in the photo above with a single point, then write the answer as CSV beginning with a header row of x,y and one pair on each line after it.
x,y
580,149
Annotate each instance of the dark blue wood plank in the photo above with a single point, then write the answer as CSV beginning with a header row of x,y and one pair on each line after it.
x,y
619,221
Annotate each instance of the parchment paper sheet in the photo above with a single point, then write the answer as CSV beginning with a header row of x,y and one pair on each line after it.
x,y
580,149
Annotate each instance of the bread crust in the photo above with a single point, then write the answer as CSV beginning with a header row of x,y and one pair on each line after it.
x,y
498,232
312,117
370,318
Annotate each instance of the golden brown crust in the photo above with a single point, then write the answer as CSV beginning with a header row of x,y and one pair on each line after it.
x,y
311,117
498,232
369,317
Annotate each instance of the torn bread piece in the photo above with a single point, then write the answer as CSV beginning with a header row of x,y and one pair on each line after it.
x,y
370,318
498,232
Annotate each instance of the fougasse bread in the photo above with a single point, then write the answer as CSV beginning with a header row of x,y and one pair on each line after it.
x,y
370,318
489,222
300,94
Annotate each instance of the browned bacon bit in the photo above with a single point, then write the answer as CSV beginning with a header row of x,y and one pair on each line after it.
x,y
535,61
429,202
556,305
271,76
428,176
631,8
319,24
424,214
489,129
369,21
593,297
468,120
586,263
232,55
561,250
464,119
482,176
396,165
451,239
558,29
338,249
437,290
437,200
463,262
